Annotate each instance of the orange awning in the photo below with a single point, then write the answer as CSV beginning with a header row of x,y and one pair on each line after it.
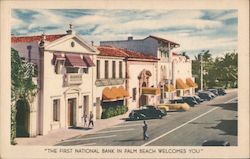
x,y
191,83
180,84
117,92
150,91
108,95
124,92
169,88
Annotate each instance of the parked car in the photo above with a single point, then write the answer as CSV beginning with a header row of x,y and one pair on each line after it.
x,y
198,99
214,91
176,106
146,112
205,96
190,100
221,91
215,143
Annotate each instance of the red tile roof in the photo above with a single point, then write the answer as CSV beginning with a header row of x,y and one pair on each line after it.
x,y
26,39
119,52
163,40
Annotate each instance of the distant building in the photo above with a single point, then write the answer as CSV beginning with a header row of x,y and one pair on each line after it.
x,y
172,71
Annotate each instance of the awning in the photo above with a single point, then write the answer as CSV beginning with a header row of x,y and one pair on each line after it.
x,y
124,92
169,88
191,83
75,61
117,92
56,57
108,95
180,84
88,61
150,91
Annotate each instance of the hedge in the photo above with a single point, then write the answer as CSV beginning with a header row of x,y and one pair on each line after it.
x,y
114,111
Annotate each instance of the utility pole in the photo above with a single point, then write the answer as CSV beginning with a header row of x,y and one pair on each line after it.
x,y
201,67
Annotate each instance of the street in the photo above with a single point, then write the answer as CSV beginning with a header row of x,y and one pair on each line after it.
x,y
210,120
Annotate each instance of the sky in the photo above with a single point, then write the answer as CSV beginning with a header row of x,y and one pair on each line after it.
x,y
194,30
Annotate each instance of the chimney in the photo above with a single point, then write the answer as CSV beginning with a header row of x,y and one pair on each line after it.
x,y
70,29
130,38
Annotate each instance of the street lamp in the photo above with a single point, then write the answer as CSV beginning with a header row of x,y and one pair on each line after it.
x,y
201,67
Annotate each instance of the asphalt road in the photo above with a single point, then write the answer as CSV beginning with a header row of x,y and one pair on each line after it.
x,y
215,119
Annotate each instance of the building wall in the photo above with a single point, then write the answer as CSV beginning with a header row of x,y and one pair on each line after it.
x,y
99,89
134,69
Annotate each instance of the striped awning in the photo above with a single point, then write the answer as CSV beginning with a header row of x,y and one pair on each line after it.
x,y
150,91
88,61
75,61
191,83
56,57
180,84
169,88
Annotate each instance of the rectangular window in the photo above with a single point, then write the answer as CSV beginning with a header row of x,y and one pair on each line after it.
x,y
106,69
56,110
98,69
134,94
72,70
120,69
85,70
113,69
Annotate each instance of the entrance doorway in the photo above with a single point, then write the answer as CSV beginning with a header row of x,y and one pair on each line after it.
x,y
71,112
22,118
143,100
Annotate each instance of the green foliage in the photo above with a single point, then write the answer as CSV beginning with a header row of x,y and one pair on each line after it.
x,y
221,71
22,86
113,111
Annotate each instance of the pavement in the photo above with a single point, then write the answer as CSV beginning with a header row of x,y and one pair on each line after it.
x,y
62,134
211,120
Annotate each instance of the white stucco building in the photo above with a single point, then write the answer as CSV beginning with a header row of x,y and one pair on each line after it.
x,y
67,72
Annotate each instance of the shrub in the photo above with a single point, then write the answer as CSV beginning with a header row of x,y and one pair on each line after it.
x,y
113,111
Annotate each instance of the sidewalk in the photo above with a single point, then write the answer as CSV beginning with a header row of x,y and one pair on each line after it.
x,y
58,135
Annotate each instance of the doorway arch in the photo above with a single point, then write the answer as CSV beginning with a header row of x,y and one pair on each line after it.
x,y
22,118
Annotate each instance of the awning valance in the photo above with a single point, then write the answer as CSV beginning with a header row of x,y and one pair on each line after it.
x,y
75,61
191,83
117,92
180,84
169,88
150,91
88,61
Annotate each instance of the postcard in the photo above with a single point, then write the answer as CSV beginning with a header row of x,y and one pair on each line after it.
x,y
124,79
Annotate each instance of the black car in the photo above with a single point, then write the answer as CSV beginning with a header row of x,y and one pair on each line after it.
x,y
221,91
215,143
146,112
177,101
190,100
214,91
205,96
198,99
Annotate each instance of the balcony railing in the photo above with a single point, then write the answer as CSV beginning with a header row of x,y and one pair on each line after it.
x,y
73,79
109,82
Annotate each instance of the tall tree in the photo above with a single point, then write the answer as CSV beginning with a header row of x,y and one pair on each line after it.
x,y
22,86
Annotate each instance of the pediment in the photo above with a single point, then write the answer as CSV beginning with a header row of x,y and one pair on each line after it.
x,y
73,44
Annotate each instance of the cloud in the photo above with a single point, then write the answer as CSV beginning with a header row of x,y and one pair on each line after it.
x,y
193,29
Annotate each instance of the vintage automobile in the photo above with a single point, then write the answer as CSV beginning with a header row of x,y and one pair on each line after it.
x,y
221,91
198,99
214,91
205,96
190,100
176,106
146,112
215,143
